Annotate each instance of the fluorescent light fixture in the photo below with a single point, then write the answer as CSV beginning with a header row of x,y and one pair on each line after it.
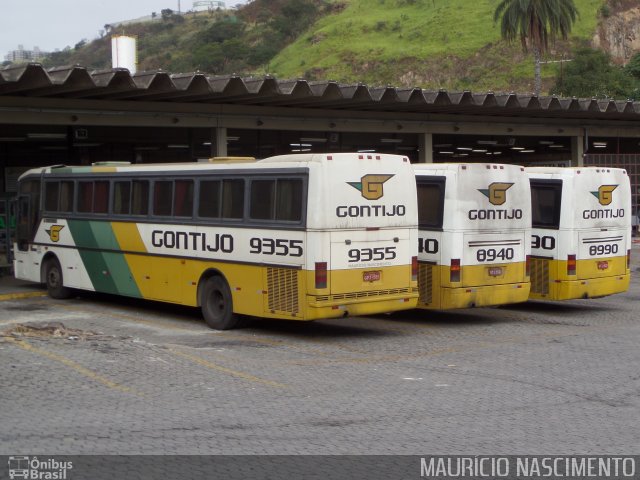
x,y
517,148
233,139
46,136
462,155
527,151
497,153
556,145
301,150
479,150
545,142
299,144
391,140
206,144
177,146
487,142
366,151
313,139
445,153
599,146
464,148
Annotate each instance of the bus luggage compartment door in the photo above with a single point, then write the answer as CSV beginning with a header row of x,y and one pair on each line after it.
x,y
493,259
367,261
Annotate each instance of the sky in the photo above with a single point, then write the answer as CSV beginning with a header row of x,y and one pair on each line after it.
x,y
56,24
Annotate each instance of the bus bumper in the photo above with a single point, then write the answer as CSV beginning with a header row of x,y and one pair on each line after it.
x,y
587,288
484,296
347,308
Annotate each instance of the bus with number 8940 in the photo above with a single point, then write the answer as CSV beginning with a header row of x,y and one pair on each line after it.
x,y
474,228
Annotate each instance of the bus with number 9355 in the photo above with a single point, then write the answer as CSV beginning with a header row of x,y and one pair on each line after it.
x,y
299,237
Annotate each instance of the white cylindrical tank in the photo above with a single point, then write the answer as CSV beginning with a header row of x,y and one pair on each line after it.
x,y
123,52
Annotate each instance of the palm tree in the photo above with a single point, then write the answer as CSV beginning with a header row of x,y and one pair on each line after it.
x,y
535,22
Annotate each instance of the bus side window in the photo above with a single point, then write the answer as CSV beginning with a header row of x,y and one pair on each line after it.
x,y
233,199
85,197
121,198
51,196
209,199
66,196
262,199
289,200
183,198
431,202
101,197
162,197
140,197
545,203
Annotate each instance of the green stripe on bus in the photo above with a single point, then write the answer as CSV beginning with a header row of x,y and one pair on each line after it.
x,y
108,271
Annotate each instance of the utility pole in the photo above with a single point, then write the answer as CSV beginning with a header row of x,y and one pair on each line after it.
x,y
178,7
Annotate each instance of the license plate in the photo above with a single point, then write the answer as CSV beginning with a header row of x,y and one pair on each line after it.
x,y
372,276
603,265
495,271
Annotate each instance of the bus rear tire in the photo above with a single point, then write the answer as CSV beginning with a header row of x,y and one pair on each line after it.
x,y
217,305
54,280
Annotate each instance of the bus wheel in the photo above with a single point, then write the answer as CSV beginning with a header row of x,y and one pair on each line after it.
x,y
217,305
54,281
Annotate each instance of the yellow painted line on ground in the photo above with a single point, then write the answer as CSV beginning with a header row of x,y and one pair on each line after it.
x,y
19,295
228,371
69,363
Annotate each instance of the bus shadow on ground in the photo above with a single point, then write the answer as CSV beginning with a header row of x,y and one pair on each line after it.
x,y
316,330
446,318
566,307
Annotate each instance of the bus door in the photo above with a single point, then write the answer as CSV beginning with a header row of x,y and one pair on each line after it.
x,y
26,219
546,236
431,194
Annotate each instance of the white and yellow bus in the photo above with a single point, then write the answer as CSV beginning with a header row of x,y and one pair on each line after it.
x,y
581,238
474,229
298,237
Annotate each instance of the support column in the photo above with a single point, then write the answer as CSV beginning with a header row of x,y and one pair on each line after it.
x,y
425,141
577,151
219,142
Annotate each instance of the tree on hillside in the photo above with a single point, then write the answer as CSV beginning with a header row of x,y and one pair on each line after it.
x,y
535,23
592,74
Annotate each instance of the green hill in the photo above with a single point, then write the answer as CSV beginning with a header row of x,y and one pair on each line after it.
x,y
452,44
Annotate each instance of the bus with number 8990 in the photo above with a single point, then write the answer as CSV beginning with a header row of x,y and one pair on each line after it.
x,y
581,238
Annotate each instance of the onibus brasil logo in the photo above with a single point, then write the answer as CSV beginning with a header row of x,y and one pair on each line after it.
x,y
605,194
371,186
22,466
497,192
54,232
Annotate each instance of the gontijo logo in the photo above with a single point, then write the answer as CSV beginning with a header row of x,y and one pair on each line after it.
x,y
496,193
54,232
605,194
371,186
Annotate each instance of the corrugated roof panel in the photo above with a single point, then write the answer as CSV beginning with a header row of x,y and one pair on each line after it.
x,y
77,82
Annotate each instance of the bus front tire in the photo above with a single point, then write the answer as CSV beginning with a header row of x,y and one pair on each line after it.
x,y
54,280
217,305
